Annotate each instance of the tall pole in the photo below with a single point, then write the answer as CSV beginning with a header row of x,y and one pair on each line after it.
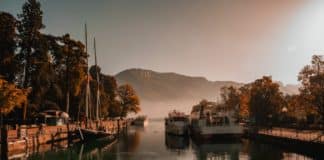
x,y
97,74
87,87
67,87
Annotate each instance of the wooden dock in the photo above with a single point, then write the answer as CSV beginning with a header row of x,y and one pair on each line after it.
x,y
314,136
30,138
308,142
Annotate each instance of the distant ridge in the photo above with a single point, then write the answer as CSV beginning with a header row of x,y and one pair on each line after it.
x,y
158,86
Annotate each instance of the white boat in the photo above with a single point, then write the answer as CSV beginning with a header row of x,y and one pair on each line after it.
x,y
140,121
215,124
177,123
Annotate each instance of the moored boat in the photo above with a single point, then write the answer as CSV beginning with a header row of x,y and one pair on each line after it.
x,y
217,124
177,123
140,121
92,134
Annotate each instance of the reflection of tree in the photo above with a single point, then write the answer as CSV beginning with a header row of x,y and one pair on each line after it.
x,y
132,141
258,151
98,149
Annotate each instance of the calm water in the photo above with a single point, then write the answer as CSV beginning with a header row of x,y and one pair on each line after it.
x,y
152,143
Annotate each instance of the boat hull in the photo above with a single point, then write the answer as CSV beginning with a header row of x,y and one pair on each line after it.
x,y
217,133
177,129
143,123
89,135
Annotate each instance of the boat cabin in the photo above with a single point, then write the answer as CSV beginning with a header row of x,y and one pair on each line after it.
x,y
53,117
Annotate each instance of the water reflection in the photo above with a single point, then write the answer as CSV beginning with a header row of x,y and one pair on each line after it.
x,y
217,150
173,142
152,143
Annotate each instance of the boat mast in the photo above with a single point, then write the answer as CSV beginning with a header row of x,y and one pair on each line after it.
x,y
98,92
87,87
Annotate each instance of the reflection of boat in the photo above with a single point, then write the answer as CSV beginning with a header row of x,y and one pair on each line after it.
x,y
213,123
176,142
177,123
140,121
93,149
218,151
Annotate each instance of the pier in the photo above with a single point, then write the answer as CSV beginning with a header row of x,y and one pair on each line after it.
x,y
31,138
307,136
308,142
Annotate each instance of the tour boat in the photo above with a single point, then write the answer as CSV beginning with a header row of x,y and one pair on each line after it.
x,y
219,125
177,123
140,121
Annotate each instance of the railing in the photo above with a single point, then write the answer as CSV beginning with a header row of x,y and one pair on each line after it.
x,y
112,126
302,135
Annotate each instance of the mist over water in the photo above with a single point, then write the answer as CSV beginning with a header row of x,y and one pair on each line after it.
x,y
162,108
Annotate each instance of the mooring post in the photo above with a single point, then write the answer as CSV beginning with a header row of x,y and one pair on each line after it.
x,y
69,137
118,127
4,142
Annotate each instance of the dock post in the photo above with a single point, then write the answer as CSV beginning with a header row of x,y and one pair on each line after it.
x,y
118,127
4,142
69,137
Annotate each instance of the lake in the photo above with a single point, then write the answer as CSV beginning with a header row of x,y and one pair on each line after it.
x,y
151,143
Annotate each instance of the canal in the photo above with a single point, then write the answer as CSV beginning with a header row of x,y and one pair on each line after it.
x,y
151,143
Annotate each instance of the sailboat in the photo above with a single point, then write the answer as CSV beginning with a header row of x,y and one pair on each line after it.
x,y
91,132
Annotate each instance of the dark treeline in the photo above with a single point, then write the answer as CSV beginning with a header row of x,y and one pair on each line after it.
x,y
41,71
263,104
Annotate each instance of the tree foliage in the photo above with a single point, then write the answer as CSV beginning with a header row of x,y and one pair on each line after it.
x,y
312,79
11,96
266,100
128,99
8,46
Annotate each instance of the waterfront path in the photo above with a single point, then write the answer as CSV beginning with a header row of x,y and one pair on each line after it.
x,y
301,135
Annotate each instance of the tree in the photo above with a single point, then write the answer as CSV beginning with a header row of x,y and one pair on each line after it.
x,y
7,46
298,107
231,100
312,79
110,106
34,55
29,28
245,96
266,100
11,96
230,97
128,99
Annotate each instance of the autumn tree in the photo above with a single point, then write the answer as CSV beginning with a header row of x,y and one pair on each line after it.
x,y
11,96
312,79
128,99
266,100
8,46
111,107
245,96
299,109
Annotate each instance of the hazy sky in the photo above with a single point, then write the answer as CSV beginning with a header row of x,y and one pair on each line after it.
x,y
237,40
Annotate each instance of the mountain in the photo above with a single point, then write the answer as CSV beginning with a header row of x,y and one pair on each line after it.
x,y
167,90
